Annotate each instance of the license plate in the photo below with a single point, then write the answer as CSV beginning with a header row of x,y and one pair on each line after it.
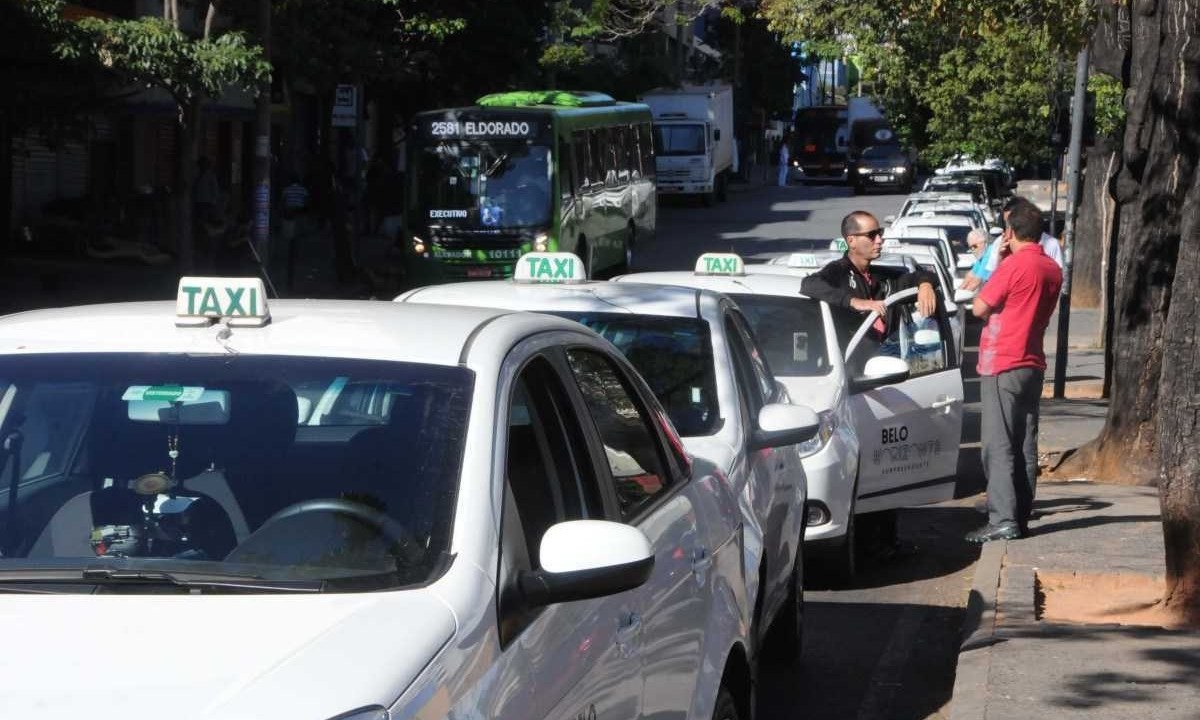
x,y
479,272
881,178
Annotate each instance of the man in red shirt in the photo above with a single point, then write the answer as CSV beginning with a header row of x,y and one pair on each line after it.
x,y
1017,302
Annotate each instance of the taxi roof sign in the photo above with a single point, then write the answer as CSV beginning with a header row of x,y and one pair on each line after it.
x,y
720,264
550,267
803,260
239,301
839,244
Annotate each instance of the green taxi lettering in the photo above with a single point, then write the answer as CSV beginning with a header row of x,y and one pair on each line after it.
x,y
720,265
541,268
205,300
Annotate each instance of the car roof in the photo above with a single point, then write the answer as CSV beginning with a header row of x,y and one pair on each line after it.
x,y
758,280
590,296
332,328
931,219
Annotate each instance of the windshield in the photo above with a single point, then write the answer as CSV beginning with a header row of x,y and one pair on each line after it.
x,y
279,468
674,355
790,331
679,139
883,153
484,183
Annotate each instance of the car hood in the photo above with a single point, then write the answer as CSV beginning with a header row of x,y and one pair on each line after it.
x,y
817,393
204,656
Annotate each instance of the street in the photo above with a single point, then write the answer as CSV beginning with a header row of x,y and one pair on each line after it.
x,y
887,646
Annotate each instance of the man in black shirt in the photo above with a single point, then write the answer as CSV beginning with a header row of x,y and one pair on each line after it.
x,y
852,283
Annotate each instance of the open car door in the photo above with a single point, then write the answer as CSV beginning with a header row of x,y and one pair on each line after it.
x,y
909,419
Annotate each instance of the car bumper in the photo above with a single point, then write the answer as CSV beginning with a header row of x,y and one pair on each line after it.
x,y
830,474
882,180
684,188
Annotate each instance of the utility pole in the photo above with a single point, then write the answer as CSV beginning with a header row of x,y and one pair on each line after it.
x,y
262,144
1074,155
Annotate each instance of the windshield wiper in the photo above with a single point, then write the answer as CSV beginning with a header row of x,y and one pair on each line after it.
x,y
132,577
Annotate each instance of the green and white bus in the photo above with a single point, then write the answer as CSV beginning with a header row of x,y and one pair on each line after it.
x,y
528,171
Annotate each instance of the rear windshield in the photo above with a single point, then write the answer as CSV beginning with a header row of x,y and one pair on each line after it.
x,y
790,331
255,467
674,355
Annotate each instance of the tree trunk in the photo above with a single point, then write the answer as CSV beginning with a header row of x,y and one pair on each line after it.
x,y
1154,411
185,175
1095,227
1176,107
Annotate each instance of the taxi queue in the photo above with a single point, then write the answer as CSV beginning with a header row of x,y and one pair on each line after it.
x,y
449,505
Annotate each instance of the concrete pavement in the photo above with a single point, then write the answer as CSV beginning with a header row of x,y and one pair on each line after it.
x,y
1015,665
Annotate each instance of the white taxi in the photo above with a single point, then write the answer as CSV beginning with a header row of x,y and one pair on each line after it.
x,y
890,404
696,351
353,510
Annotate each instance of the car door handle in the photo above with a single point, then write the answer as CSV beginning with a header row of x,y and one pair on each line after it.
x,y
943,402
701,561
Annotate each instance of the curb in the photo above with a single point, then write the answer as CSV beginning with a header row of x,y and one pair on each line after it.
x,y
969,698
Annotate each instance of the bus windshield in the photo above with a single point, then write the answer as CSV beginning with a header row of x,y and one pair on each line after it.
x,y
679,139
484,183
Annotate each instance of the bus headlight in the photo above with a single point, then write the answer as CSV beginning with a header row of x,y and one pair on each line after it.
x,y
824,432
541,242
418,245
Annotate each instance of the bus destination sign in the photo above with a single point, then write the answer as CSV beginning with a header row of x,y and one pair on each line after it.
x,y
483,128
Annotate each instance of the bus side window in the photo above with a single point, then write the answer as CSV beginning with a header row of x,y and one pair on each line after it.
x,y
564,168
625,154
646,149
600,165
582,160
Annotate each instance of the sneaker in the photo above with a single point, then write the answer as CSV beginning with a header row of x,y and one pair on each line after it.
x,y
988,533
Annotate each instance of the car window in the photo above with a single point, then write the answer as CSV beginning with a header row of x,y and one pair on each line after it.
x,y
546,458
764,378
625,430
674,356
922,342
790,331
177,459
750,389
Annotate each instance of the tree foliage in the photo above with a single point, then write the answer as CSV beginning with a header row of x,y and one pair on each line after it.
x,y
955,76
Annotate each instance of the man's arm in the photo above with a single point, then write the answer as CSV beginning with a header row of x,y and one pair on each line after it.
x,y
925,281
823,285
981,309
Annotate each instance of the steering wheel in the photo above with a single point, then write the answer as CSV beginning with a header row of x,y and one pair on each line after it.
x,y
410,549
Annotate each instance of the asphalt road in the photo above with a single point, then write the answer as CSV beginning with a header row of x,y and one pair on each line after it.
x,y
885,647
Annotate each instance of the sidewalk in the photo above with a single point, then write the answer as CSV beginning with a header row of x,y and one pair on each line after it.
x,y
1015,664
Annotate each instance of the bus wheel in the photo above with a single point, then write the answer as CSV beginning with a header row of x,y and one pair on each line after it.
x,y
723,187
710,198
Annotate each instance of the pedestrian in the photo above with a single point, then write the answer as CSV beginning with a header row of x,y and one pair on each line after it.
x,y
1049,243
1016,302
851,283
980,247
784,159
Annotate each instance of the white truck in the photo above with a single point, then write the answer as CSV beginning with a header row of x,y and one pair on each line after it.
x,y
693,139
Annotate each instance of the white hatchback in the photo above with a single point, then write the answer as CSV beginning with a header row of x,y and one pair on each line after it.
x,y
697,352
353,510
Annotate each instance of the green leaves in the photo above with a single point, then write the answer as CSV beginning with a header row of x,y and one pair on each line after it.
x,y
954,76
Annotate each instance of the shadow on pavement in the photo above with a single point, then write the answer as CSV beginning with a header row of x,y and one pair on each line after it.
x,y
868,661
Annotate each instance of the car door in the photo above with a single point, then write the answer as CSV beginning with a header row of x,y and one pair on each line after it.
x,y
654,495
909,432
777,472
575,659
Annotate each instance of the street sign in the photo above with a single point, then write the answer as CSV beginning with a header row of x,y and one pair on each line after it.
x,y
345,106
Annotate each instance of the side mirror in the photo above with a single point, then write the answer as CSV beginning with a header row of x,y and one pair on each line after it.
x,y
879,371
962,295
782,424
717,134
584,559
996,231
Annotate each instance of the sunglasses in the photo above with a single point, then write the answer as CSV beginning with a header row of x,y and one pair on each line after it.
x,y
873,234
